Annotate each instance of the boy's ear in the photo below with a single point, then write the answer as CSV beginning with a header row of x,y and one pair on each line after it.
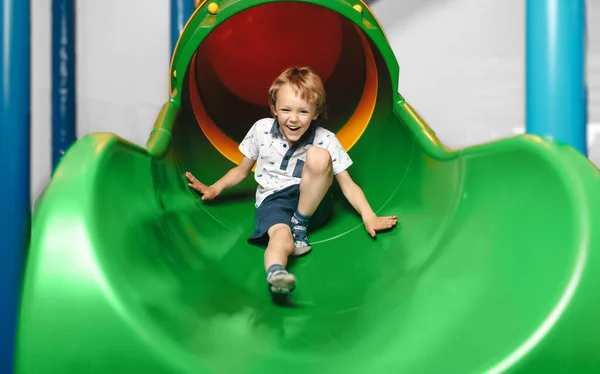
x,y
315,117
273,110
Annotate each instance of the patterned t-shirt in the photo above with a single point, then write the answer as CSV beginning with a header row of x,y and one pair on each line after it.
x,y
277,164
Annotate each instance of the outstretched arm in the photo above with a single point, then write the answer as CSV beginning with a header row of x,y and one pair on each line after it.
x,y
233,177
357,199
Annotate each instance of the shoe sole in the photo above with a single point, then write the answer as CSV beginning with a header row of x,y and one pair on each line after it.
x,y
300,251
284,283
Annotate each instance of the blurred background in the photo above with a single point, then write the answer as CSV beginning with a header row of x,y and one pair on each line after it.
x,y
462,67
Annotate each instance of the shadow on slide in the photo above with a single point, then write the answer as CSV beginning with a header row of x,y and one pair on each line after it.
x,y
494,266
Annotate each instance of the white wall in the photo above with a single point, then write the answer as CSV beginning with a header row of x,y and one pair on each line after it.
x,y
122,73
41,116
123,66
461,66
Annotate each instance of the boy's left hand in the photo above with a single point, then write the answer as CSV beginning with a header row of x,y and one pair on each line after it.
x,y
374,223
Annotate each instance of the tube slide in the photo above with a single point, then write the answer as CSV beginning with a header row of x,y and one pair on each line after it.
x,y
493,267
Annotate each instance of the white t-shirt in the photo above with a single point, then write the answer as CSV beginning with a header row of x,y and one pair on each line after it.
x,y
277,164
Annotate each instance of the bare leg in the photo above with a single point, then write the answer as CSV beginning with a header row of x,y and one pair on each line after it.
x,y
280,247
317,176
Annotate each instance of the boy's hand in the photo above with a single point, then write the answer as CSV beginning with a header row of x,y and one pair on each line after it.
x,y
374,223
207,192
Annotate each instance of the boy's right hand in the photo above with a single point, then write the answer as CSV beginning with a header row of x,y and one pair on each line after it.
x,y
207,192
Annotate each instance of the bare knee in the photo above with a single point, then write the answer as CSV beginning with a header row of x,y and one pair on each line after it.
x,y
280,238
318,160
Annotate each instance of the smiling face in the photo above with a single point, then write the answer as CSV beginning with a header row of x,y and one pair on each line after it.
x,y
293,113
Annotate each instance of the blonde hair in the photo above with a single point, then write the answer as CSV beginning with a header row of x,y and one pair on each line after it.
x,y
303,80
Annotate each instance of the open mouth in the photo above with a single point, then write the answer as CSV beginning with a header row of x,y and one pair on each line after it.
x,y
293,129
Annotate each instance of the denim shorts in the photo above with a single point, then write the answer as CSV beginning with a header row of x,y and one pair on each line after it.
x,y
279,207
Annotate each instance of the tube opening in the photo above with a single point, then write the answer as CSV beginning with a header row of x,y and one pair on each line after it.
x,y
231,71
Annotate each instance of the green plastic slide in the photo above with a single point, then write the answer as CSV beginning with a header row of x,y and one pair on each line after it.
x,y
494,266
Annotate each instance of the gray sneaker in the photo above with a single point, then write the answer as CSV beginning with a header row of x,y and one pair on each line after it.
x,y
301,250
280,281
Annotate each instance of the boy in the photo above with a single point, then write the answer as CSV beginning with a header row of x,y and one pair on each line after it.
x,y
296,161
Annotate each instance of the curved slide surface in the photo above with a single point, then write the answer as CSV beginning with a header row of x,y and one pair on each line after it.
x,y
493,267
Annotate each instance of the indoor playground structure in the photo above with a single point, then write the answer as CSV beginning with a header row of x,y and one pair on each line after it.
x,y
494,266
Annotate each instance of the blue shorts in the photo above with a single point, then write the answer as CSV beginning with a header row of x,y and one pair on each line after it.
x,y
279,207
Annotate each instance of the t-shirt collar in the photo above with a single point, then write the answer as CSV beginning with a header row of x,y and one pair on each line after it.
x,y
308,137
